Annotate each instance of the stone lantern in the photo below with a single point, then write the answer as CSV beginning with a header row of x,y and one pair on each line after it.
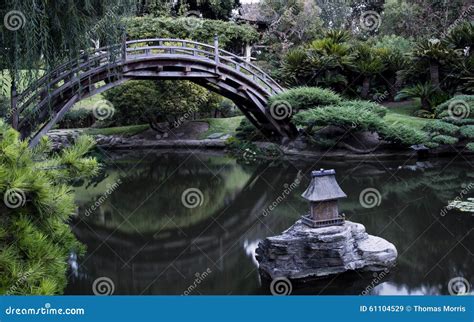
x,y
323,193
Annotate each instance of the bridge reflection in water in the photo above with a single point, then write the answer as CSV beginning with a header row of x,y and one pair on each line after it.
x,y
147,242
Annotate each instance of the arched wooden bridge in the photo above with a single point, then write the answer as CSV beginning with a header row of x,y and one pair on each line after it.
x,y
36,109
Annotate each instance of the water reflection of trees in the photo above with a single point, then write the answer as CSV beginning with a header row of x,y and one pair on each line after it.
x,y
409,217
152,192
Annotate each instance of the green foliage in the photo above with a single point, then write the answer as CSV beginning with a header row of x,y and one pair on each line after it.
x,y
216,9
442,133
429,95
352,119
303,98
464,104
441,127
470,146
54,31
344,117
467,132
401,134
138,102
365,105
4,106
444,139
231,35
246,131
37,201
76,118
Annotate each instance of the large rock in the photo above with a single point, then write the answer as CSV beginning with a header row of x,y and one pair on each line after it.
x,y
303,252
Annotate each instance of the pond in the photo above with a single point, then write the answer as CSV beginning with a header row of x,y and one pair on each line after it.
x,y
167,223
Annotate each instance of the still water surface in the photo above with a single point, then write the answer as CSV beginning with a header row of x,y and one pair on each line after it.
x,y
139,234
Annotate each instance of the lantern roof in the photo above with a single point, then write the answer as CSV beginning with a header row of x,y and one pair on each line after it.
x,y
323,187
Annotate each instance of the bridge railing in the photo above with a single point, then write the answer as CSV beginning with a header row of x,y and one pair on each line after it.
x,y
37,95
213,53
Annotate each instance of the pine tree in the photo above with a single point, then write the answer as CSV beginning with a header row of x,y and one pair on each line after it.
x,y
37,200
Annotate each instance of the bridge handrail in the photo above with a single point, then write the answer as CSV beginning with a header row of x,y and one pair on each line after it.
x,y
85,60
221,51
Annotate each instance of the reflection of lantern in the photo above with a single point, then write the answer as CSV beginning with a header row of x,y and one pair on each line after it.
x,y
323,193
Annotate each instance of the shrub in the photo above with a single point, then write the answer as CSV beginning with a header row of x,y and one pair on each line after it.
x,y
461,105
470,146
77,118
441,127
366,105
401,134
344,117
246,131
304,98
353,119
231,35
467,131
138,102
444,139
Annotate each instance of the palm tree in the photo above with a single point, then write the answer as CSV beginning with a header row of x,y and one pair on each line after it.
x,y
329,58
368,63
426,92
435,53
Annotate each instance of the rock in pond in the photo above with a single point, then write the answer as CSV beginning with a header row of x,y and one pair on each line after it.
x,y
302,252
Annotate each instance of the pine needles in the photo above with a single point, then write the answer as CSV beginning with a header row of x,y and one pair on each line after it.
x,y
35,240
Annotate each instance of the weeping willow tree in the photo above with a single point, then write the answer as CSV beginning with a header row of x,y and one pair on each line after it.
x,y
38,35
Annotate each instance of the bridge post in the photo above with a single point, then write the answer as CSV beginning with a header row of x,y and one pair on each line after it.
x,y
216,51
124,46
14,109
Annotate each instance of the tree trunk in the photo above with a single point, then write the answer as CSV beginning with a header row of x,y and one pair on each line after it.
x,y
392,86
434,74
425,104
365,87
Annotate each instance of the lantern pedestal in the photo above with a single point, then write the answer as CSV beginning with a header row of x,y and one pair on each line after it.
x,y
303,252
